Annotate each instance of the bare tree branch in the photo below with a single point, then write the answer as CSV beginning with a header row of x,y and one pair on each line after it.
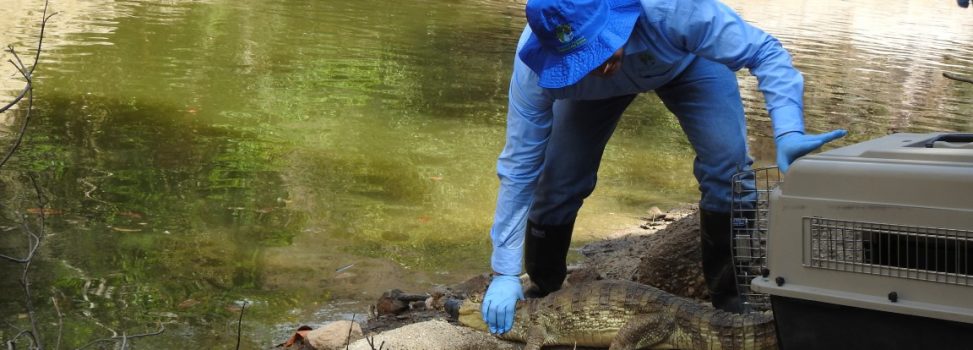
x,y
33,240
33,339
40,41
19,64
28,75
239,325
60,323
25,282
29,89
37,57
16,99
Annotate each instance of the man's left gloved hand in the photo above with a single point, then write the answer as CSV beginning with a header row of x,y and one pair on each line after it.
x,y
795,144
500,303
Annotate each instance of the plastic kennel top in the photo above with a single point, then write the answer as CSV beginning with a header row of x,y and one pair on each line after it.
x,y
884,225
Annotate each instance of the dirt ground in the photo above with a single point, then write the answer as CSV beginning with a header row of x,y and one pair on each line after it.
x,y
663,252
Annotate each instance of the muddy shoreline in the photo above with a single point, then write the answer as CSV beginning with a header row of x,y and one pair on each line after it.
x,y
662,251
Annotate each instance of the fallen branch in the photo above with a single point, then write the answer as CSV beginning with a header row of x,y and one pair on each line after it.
x,y
957,77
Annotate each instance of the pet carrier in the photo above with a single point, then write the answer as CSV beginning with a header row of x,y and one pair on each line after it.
x,y
866,246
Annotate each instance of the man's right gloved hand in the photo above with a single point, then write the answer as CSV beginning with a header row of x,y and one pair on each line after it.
x,y
500,303
795,144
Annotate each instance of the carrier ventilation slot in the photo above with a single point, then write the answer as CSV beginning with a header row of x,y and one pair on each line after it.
x,y
912,252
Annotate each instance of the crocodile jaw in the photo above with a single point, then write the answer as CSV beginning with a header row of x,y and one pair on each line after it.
x,y
470,316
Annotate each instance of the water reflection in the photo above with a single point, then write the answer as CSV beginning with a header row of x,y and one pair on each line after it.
x,y
153,217
204,153
870,68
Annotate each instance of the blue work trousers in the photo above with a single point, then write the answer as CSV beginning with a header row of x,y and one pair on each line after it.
x,y
706,100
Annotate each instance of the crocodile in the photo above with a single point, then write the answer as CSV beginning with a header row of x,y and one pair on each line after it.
x,y
624,315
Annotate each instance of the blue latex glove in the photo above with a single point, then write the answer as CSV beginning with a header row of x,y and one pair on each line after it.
x,y
795,144
500,303
963,3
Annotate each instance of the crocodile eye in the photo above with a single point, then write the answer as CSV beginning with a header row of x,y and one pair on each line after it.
x,y
476,297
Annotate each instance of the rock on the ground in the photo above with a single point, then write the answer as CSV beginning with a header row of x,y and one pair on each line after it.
x,y
334,335
434,335
654,213
476,284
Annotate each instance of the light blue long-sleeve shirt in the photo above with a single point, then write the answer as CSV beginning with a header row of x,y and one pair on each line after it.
x,y
667,37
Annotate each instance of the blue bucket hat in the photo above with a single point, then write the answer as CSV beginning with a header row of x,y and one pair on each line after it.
x,y
573,37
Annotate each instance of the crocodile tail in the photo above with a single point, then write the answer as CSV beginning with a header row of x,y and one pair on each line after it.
x,y
752,331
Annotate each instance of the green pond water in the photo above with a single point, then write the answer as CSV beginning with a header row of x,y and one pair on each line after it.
x,y
197,155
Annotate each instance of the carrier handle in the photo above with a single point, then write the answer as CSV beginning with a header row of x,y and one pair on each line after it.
x,y
950,139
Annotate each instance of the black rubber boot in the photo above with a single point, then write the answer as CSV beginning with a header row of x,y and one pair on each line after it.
x,y
715,236
545,254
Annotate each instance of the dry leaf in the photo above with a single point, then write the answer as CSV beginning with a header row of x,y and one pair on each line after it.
x,y
298,336
188,303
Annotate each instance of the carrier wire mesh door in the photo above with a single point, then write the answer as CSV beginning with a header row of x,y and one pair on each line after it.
x,y
901,251
750,220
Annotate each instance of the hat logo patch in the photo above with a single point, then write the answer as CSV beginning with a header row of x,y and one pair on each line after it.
x,y
564,33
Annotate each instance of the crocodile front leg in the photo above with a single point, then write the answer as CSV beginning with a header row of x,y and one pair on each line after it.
x,y
536,338
643,332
